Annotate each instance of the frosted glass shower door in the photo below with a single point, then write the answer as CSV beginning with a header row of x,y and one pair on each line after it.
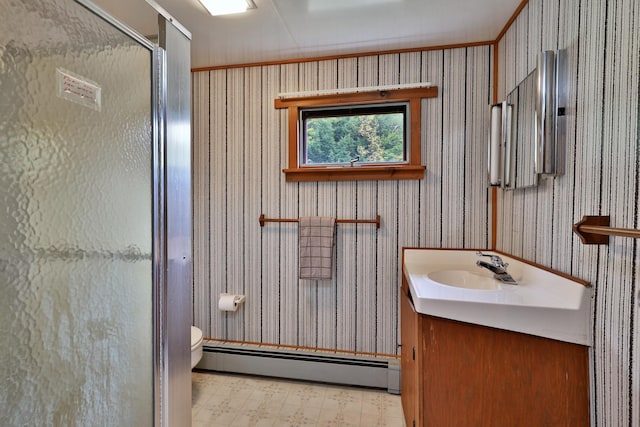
x,y
76,282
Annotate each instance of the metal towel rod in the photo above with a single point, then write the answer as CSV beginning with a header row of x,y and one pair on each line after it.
x,y
376,221
595,230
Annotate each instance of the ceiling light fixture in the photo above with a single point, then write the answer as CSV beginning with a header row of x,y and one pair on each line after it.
x,y
227,7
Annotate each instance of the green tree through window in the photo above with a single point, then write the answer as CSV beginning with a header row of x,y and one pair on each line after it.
x,y
372,136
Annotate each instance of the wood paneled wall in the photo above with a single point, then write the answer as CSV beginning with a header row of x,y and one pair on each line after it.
x,y
239,152
602,39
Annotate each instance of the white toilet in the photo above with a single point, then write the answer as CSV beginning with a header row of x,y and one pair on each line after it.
x,y
196,346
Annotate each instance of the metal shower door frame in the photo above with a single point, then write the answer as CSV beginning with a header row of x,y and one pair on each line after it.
x,y
172,399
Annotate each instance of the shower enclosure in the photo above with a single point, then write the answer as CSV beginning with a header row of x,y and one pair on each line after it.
x,y
90,248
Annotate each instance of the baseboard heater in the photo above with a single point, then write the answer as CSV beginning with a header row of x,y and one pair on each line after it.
x,y
332,368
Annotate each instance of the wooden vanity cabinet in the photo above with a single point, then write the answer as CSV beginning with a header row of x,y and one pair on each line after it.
x,y
409,362
461,374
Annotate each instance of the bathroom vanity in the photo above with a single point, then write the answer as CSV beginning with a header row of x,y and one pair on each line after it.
x,y
476,353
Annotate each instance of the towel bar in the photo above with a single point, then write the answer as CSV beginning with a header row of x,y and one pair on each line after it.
x,y
376,221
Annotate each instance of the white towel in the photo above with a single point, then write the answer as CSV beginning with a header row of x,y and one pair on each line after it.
x,y
316,240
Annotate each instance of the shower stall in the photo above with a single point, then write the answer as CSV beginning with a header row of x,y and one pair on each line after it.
x,y
95,219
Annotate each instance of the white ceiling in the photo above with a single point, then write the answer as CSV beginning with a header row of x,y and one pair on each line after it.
x,y
292,29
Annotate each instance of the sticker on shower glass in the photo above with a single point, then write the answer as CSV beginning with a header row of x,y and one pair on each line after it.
x,y
78,89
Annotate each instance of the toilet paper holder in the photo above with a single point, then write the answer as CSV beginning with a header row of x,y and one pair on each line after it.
x,y
230,302
238,299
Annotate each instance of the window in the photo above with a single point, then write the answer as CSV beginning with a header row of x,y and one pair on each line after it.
x,y
356,136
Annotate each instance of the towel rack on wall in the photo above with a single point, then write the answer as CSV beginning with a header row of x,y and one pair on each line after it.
x,y
376,221
595,230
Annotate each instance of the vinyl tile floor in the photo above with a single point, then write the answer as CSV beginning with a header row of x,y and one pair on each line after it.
x,y
240,400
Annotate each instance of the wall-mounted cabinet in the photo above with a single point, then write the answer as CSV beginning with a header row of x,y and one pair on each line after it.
x,y
527,132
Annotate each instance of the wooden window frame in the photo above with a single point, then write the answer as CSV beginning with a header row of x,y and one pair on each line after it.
x,y
411,170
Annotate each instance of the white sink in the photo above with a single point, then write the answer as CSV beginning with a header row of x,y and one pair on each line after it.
x,y
463,279
447,283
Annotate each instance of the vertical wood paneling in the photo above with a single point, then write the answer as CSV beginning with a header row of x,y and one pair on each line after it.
x,y
388,255
432,191
602,40
252,194
234,191
271,176
201,246
534,39
506,198
289,208
522,65
346,273
454,101
409,191
218,183
502,67
358,309
366,248
544,215
616,171
502,218
492,205
588,158
523,208
307,296
524,203
477,116
587,176
630,13
563,214
510,49
327,206
367,327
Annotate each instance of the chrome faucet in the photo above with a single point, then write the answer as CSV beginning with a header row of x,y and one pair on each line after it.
x,y
497,267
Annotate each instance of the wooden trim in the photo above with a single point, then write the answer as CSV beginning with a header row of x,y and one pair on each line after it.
x,y
415,127
343,56
303,348
371,53
511,20
357,173
359,97
411,170
293,114
496,76
550,270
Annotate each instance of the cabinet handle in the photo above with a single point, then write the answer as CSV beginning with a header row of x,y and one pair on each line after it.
x,y
414,353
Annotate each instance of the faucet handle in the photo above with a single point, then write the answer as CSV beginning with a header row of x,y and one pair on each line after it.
x,y
495,259
479,253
